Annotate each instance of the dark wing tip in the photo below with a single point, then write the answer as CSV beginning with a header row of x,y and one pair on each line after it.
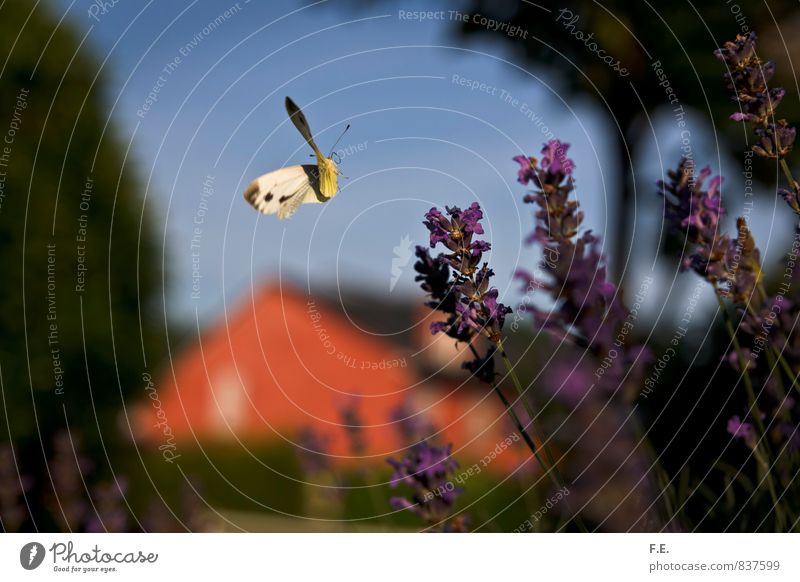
x,y
251,193
256,198
291,106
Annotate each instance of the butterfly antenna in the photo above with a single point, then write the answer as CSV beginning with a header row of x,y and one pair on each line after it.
x,y
340,139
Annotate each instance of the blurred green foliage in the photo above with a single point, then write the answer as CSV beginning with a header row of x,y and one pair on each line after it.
x,y
263,488
79,265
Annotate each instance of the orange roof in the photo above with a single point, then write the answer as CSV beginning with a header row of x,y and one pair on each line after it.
x,y
283,361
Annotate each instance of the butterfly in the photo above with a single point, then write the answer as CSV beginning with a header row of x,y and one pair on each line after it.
x,y
283,191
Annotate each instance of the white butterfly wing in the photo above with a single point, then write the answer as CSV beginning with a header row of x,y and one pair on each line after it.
x,y
283,191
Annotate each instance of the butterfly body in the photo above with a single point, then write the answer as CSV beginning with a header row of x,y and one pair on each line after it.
x,y
328,176
283,191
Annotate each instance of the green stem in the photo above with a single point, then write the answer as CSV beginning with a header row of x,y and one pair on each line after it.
x,y
743,366
787,369
760,449
551,470
776,374
781,359
528,408
518,424
661,476
788,173
554,472
515,419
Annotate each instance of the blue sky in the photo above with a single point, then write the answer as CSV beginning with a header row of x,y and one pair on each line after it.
x,y
418,138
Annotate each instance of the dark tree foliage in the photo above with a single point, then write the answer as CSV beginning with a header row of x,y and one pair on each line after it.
x,y
79,265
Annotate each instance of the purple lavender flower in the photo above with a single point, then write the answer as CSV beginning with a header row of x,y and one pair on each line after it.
x,y
440,228
772,322
558,217
742,430
111,514
313,452
412,426
456,234
589,310
471,218
354,427
738,53
461,225
775,140
689,210
527,169
554,158
748,78
757,111
325,495
554,166
789,433
573,271
791,196
434,275
732,266
485,316
469,301
746,360
428,471
780,417
477,288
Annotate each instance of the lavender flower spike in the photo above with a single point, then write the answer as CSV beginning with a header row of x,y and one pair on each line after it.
x,y
748,78
731,265
469,301
428,471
